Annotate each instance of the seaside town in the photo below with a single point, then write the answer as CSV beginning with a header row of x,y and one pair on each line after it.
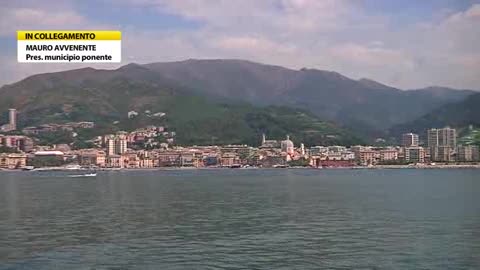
x,y
139,149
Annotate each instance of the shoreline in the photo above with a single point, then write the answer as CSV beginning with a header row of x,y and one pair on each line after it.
x,y
442,166
376,167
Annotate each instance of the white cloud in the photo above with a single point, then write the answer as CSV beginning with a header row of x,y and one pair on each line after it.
x,y
337,35
251,44
372,56
473,13
14,19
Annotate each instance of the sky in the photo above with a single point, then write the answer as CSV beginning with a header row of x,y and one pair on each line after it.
x,y
407,44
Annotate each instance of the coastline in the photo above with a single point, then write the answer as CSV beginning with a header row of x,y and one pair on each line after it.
x,y
376,167
442,166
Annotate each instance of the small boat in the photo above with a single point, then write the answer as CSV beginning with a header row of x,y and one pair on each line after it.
x,y
73,167
280,166
84,175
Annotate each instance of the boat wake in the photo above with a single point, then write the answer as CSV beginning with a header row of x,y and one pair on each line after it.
x,y
83,175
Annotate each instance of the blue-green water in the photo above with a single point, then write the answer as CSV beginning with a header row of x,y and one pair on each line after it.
x,y
241,219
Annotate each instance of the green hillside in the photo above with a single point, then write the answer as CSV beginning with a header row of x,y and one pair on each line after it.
x,y
471,136
106,97
364,105
458,115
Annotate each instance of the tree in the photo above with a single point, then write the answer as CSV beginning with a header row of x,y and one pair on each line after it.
x,y
5,149
56,137
302,162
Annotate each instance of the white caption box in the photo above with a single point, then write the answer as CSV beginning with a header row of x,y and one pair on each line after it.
x,y
40,51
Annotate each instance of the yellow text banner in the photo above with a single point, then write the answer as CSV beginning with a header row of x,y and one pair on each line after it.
x,y
52,35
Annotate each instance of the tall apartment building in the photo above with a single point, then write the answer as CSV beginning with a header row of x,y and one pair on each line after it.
x,y
12,117
12,121
116,145
110,146
442,137
120,145
442,143
410,140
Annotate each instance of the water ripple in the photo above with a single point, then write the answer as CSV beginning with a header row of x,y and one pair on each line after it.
x,y
241,219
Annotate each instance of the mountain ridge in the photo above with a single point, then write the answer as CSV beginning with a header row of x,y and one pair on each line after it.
x,y
106,96
364,105
134,64
328,94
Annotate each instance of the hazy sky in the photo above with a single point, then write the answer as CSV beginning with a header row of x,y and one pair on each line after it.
x,y
403,43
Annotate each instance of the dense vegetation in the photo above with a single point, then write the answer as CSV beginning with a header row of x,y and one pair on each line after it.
x,y
195,119
5,149
471,136
243,124
458,115
302,162
364,105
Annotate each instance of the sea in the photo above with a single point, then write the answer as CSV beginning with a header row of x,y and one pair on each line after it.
x,y
241,219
